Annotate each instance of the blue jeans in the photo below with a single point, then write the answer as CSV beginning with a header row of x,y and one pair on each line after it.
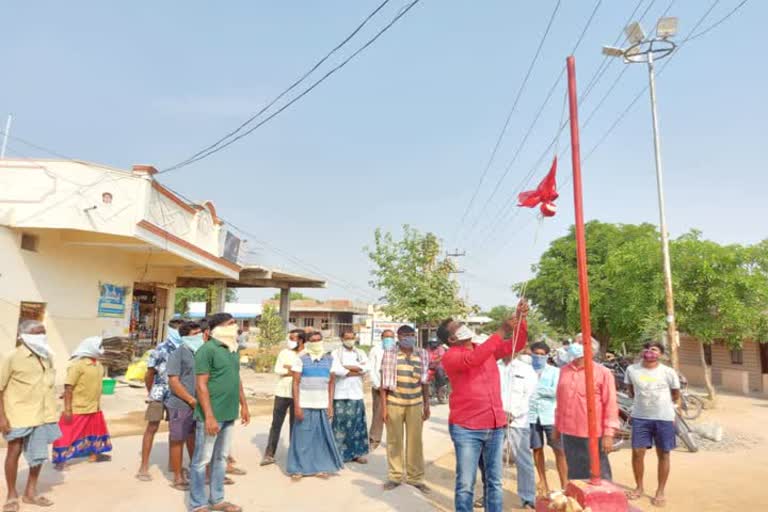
x,y
469,444
211,450
519,440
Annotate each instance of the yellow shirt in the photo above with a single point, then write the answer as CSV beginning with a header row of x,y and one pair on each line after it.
x,y
27,382
85,375
408,384
284,386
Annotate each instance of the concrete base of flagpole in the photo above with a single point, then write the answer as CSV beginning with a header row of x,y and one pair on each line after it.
x,y
604,496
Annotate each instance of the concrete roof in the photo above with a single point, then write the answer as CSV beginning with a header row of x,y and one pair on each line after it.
x,y
256,276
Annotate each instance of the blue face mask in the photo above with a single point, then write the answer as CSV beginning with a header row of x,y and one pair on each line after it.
x,y
387,343
194,342
407,343
174,336
576,350
539,362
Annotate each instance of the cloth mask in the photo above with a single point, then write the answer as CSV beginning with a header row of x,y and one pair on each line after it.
x,y
348,343
226,334
539,362
407,343
315,349
387,343
464,333
650,355
576,350
37,343
174,336
293,344
562,357
525,358
193,342
89,347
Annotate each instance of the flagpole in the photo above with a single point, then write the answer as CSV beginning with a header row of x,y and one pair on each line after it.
x,y
581,258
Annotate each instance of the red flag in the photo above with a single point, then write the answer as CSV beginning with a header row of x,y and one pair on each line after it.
x,y
544,195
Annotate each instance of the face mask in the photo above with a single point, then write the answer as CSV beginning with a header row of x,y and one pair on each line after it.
x,y
316,349
407,343
348,343
37,343
539,362
525,358
194,342
562,357
576,350
650,355
226,334
293,345
174,336
387,343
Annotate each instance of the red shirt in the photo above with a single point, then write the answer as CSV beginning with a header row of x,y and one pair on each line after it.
x,y
475,400
571,412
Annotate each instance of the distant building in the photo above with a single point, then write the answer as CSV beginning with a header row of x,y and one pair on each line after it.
x,y
331,317
741,371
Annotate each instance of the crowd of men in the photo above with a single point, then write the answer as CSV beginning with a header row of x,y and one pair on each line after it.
x,y
507,401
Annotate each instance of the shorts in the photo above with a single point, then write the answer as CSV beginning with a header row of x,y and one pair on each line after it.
x,y
537,436
182,423
156,412
648,433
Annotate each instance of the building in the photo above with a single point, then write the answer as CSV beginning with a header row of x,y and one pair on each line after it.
x,y
94,250
741,371
331,317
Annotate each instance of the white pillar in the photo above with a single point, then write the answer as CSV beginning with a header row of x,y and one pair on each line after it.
x,y
218,296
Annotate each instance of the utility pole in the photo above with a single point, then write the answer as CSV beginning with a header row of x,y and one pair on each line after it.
x,y
6,135
457,254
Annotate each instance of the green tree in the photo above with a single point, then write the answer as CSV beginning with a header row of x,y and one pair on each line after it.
x,y
624,266
292,296
186,295
537,324
271,329
721,293
416,281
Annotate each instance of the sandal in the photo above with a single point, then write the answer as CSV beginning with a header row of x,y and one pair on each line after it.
x,y
266,461
143,477
102,458
226,506
38,501
296,477
634,495
234,470
323,476
180,486
228,481
391,485
659,502
12,505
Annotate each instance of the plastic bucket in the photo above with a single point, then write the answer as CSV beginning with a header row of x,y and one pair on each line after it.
x,y
108,386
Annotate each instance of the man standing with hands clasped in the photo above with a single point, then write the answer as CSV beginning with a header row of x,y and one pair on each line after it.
x,y
219,396
477,419
655,388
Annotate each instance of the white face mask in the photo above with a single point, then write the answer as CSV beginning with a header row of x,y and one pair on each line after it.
x,y
37,343
293,345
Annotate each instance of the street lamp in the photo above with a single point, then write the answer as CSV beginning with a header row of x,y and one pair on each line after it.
x,y
647,50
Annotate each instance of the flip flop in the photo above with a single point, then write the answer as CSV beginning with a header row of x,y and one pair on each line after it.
x,y
659,502
11,505
38,501
180,486
228,481
144,477
296,477
234,470
634,495
102,458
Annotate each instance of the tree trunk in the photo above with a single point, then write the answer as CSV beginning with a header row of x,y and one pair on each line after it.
x,y
707,373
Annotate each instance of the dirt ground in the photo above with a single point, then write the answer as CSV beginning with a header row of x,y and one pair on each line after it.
x,y
724,477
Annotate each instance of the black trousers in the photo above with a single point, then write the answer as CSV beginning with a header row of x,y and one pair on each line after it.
x,y
282,405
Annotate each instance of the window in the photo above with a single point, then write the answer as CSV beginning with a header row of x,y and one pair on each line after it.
x,y
737,356
309,322
325,324
292,320
29,242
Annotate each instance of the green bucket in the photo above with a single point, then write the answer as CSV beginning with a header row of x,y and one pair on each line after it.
x,y
108,386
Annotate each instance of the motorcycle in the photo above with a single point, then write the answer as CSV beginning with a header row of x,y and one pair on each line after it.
x,y
624,433
439,387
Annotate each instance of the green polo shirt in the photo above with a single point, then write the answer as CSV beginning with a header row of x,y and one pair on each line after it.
x,y
223,368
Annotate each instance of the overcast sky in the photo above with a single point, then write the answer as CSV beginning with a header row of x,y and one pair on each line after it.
x,y
403,133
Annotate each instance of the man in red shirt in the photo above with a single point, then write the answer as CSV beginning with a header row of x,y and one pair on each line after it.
x,y
477,419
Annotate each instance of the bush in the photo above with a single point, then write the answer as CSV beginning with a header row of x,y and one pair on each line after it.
x,y
261,360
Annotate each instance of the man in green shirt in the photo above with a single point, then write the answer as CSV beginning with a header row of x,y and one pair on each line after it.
x,y
220,400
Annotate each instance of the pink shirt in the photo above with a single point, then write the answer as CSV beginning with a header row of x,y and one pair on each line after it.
x,y
571,412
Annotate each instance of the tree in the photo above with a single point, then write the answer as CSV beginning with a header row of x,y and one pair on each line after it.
x,y
271,329
416,281
186,295
721,293
538,326
624,267
292,296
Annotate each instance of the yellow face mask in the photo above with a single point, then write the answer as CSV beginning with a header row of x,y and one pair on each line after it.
x,y
226,334
315,349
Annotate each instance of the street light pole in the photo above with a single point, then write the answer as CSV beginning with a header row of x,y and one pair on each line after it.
x,y
668,291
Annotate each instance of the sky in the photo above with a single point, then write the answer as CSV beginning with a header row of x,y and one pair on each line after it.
x,y
402,134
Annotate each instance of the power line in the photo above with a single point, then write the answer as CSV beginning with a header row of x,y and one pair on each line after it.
x,y
332,71
290,87
718,22
503,132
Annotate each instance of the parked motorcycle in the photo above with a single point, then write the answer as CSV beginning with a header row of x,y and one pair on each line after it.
x,y
439,388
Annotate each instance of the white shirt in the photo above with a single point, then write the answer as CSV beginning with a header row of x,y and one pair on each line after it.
x,y
374,359
518,383
348,388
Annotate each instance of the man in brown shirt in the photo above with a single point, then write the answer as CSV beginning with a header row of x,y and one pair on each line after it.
x,y
28,417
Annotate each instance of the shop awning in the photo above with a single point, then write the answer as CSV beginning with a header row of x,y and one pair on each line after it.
x,y
254,276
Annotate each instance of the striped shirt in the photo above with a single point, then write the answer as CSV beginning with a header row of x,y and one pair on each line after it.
x,y
407,390
389,367
315,376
